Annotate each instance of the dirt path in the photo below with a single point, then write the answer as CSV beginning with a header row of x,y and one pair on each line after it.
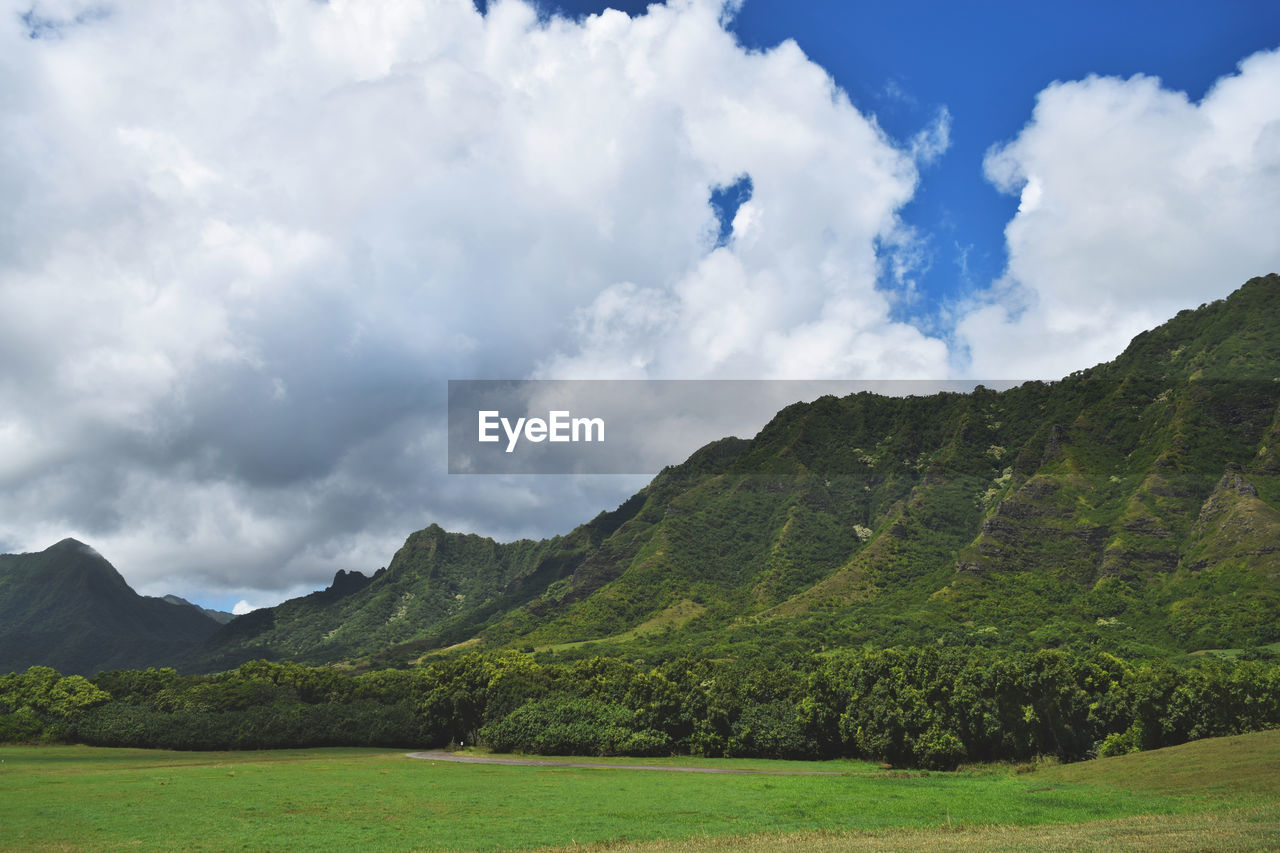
x,y
440,755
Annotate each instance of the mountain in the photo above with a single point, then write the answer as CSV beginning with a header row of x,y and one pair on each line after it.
x,y
68,608
438,581
1131,506
222,617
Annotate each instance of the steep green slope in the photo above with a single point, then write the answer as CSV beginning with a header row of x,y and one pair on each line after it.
x,y
437,587
68,608
1133,505
1081,510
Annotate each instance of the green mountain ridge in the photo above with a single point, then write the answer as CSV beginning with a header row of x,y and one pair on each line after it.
x,y
1132,505
68,608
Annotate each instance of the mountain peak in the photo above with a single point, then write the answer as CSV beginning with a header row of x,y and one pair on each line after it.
x,y
67,607
345,583
70,544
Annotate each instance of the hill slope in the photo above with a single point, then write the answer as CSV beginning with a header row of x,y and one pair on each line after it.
x,y
68,608
1133,505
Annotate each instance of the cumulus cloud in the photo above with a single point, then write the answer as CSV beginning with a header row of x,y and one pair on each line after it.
x,y
1134,202
793,292
244,246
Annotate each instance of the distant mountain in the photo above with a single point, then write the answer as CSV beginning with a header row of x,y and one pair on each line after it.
x,y
1131,506
68,608
222,617
435,581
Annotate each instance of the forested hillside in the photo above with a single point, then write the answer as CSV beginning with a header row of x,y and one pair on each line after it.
x,y
926,581
68,608
1132,506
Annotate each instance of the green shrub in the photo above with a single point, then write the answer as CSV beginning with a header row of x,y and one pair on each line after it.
x,y
570,726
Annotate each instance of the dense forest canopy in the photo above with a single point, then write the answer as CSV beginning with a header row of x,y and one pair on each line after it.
x,y
929,707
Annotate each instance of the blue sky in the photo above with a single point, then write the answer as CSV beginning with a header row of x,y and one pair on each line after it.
x,y
245,246
985,63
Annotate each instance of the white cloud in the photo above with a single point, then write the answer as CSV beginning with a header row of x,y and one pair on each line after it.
x,y
1135,203
243,246
793,294
932,141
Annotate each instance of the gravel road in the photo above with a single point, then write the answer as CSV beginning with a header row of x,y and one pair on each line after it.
x,y
440,755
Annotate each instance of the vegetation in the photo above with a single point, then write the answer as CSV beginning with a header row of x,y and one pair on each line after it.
x,y
931,707
432,578
1133,507
1065,570
68,608
87,798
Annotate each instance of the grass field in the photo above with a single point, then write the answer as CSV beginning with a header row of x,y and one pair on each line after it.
x,y
1219,794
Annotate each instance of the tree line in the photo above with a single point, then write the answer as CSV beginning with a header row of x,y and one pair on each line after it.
x,y
923,707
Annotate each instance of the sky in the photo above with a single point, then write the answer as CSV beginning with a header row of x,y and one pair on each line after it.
x,y
245,245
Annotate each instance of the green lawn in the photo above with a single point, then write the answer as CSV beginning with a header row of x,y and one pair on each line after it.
x,y
66,797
